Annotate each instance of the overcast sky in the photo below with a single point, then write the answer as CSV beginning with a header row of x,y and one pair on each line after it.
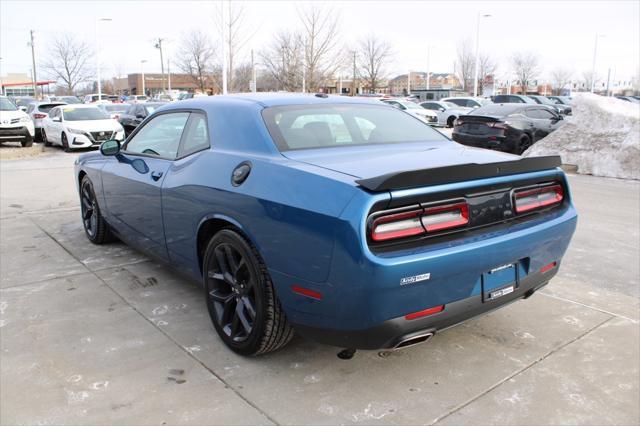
x,y
561,32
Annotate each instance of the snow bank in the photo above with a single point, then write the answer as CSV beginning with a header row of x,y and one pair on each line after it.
x,y
602,138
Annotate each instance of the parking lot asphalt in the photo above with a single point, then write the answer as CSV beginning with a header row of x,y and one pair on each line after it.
x,y
103,335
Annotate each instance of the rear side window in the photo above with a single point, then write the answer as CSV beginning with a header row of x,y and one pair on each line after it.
x,y
196,135
318,126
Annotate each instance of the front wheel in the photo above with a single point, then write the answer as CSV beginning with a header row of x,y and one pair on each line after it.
x,y
65,143
43,136
525,143
450,121
240,296
27,143
95,227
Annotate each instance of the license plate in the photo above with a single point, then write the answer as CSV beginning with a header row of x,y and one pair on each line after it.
x,y
499,281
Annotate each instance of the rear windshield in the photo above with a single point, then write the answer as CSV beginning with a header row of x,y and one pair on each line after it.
x,y
497,110
82,114
47,107
70,99
325,126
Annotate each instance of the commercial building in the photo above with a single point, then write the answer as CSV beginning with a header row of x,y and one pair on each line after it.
x,y
21,84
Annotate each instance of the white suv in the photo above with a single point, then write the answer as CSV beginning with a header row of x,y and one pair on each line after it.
x,y
15,124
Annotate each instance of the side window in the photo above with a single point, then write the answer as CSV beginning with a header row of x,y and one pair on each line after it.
x,y
196,136
516,99
429,106
545,114
160,136
533,113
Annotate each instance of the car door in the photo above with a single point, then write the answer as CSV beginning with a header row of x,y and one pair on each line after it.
x,y
132,181
552,120
539,125
54,125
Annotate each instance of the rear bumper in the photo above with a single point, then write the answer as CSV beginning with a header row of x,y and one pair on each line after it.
x,y
499,143
391,333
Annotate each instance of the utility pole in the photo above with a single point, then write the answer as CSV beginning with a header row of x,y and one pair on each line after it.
x,y
159,46
409,83
169,74
224,49
254,85
593,68
608,80
428,57
353,92
33,61
144,91
477,61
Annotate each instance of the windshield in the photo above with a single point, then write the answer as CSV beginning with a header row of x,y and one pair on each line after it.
x,y
24,101
411,105
544,100
84,114
326,126
450,105
70,99
7,105
115,108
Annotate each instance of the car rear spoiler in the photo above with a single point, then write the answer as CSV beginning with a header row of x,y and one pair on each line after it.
x,y
458,173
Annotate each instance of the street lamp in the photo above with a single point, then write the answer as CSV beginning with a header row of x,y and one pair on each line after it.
x,y
593,68
142,62
98,20
428,57
475,80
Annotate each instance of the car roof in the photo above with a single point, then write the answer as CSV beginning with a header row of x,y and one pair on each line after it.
x,y
279,99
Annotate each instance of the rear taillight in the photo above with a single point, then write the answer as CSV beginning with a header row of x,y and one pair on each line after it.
x,y
420,221
531,199
497,125
39,115
397,225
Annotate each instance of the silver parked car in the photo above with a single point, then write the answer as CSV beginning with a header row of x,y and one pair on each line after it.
x,y
447,112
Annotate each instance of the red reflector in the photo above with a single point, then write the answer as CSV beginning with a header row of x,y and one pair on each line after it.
x,y
536,198
548,267
306,292
397,226
424,313
445,217
39,115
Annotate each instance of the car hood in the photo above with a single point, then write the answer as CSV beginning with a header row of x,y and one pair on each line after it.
x,y
9,115
460,110
94,125
370,161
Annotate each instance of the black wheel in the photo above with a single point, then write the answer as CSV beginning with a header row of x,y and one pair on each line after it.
x,y
65,143
27,143
450,121
525,143
95,227
240,297
43,136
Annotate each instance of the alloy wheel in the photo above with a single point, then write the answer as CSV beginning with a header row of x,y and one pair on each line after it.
x,y
232,292
88,209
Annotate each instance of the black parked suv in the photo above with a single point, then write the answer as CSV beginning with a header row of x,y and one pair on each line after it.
x,y
506,127
136,113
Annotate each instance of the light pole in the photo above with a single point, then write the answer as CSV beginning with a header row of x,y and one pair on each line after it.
x,y
98,20
477,65
593,68
144,92
428,57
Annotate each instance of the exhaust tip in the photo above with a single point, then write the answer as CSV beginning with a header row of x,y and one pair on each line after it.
x,y
414,340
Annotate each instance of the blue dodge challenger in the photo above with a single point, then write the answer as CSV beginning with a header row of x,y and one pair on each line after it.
x,y
346,220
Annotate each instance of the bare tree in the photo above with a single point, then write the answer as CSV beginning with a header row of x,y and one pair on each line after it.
x,y
195,58
236,36
242,77
320,27
589,79
488,66
465,63
283,60
373,55
526,67
560,77
69,61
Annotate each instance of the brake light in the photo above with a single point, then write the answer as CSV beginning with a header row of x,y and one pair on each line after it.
x,y
39,115
497,125
424,313
445,217
420,221
536,198
397,225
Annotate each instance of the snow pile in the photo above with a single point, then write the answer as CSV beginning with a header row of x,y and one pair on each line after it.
x,y
602,138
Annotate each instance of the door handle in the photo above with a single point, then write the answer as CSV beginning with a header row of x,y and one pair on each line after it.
x,y
156,175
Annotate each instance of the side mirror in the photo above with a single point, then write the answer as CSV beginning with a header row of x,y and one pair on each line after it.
x,y
57,119
22,108
110,147
139,116
441,109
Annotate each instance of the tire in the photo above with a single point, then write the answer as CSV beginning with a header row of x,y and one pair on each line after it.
x,y
524,144
240,296
26,144
65,143
43,136
450,121
95,227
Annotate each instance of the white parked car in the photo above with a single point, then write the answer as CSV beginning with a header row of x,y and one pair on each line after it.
x,y
15,124
467,101
134,99
447,111
414,109
38,111
79,126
